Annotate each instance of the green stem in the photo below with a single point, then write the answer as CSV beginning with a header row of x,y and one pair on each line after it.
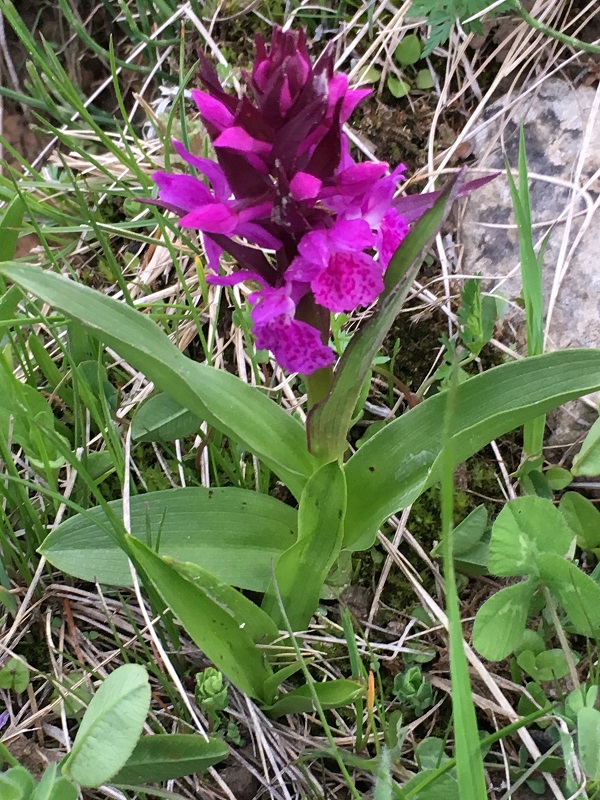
x,y
571,41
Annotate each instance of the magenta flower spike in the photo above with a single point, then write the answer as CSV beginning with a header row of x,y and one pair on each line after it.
x,y
311,227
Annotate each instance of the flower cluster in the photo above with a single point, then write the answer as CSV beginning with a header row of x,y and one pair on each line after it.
x,y
313,228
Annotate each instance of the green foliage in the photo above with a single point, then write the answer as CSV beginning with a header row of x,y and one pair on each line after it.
x,y
14,675
476,315
110,727
442,14
413,689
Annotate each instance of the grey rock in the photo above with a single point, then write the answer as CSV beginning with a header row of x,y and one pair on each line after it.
x,y
562,134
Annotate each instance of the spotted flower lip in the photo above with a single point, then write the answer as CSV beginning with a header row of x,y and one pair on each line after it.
x,y
308,225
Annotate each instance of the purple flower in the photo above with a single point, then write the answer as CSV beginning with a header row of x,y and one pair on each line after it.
x,y
311,227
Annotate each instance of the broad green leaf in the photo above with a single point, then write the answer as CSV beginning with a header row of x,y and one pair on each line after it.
x,y
588,741
110,727
397,86
500,622
331,694
424,80
396,465
209,527
301,571
549,665
17,783
587,460
167,756
523,529
63,790
409,50
10,227
443,787
577,593
52,787
558,478
161,418
470,543
224,401
14,675
217,617
583,518
329,421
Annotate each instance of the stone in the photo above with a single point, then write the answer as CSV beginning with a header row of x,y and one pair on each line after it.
x,y
562,135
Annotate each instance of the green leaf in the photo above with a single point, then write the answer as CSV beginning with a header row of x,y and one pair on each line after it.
x,y
525,528
396,465
409,50
224,401
558,478
110,727
14,675
398,87
588,742
301,571
424,80
470,543
549,665
167,756
220,620
577,593
587,460
162,419
16,783
209,527
583,518
10,227
329,421
500,622
331,694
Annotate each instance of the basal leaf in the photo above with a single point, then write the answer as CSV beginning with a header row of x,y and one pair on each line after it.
x,y
209,527
218,397
167,756
300,572
10,227
397,464
500,622
161,418
110,727
331,694
218,618
587,460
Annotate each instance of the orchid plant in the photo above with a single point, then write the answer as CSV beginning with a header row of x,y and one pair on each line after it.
x,y
317,234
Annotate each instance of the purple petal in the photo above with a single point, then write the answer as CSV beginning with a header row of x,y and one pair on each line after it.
x,y
207,167
237,138
350,235
359,178
296,345
211,218
213,253
304,186
303,271
4,717
182,191
394,228
350,280
234,278
314,247
258,235
270,304
213,111
352,98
